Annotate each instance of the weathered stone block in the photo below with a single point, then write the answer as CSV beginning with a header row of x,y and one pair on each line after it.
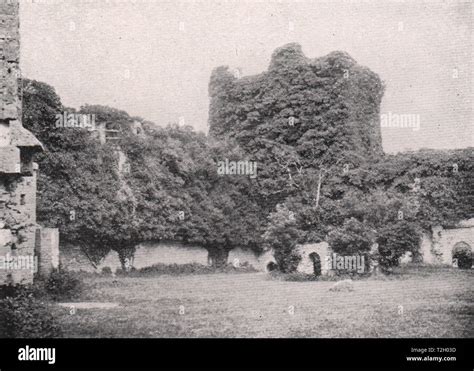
x,y
10,160
306,264
8,21
5,238
16,265
9,80
7,91
9,7
7,69
8,110
4,251
10,50
47,250
4,134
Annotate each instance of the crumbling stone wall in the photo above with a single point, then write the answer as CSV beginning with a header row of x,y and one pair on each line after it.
x,y
306,263
18,172
437,247
146,255
47,250
9,72
9,60
164,252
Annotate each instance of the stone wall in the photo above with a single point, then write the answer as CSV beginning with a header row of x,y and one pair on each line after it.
x,y
9,159
306,264
146,255
73,259
177,253
161,253
238,257
16,216
24,196
18,172
169,253
437,247
9,60
18,219
47,250
17,225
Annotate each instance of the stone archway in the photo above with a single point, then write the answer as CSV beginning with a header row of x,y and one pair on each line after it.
x,y
316,259
271,266
462,255
308,253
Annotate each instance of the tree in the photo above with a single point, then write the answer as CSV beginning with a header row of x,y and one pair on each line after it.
x,y
443,195
310,125
327,107
353,237
78,182
180,195
40,107
396,239
282,235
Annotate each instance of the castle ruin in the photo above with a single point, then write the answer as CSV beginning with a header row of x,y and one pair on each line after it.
x,y
25,248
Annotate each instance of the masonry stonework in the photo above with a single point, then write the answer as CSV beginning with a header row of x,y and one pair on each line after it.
x,y
47,250
165,252
437,247
306,252
18,172
146,255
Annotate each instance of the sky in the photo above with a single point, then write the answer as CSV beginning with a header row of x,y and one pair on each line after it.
x,y
154,58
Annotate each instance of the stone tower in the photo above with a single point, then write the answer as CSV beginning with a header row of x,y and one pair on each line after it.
x,y
18,172
300,100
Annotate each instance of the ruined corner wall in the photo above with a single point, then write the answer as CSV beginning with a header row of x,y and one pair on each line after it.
x,y
9,60
17,211
18,173
437,247
306,264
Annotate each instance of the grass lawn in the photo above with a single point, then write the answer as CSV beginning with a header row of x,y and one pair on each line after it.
x,y
417,302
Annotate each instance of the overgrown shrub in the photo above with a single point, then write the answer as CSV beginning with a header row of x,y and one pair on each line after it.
x,y
304,277
282,235
24,316
394,240
61,285
186,269
293,277
353,237
464,256
107,271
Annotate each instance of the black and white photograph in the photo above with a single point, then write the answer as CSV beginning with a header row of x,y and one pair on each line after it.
x,y
220,169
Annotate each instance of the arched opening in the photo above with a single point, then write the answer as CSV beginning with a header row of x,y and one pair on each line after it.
x,y
217,257
316,260
271,266
462,255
